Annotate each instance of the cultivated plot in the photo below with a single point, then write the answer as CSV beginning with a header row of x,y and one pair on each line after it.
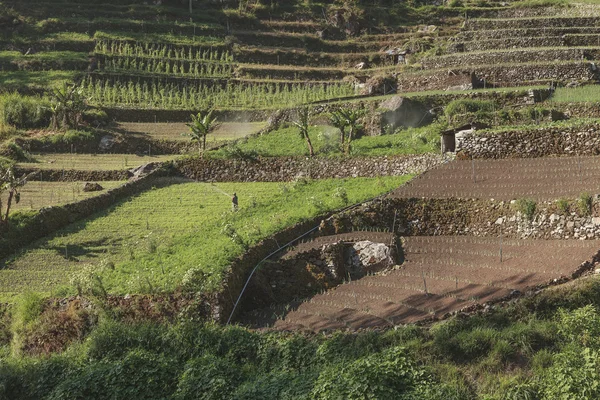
x,y
178,131
37,194
537,178
440,275
91,162
149,243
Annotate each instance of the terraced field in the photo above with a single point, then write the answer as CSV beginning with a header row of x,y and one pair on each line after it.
x,y
538,178
440,275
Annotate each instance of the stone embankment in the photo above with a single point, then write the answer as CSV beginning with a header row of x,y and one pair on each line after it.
x,y
290,168
533,142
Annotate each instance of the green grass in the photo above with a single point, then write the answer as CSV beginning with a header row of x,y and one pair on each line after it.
x,y
582,94
90,162
8,56
325,139
155,238
36,195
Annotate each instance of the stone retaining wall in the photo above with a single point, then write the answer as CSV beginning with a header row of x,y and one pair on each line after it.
x,y
540,23
285,169
533,142
511,56
526,32
501,75
568,40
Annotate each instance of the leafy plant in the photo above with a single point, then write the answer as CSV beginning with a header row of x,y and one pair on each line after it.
x,y
67,106
302,122
201,126
527,207
585,203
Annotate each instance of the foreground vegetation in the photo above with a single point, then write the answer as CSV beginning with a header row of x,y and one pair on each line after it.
x,y
180,235
545,347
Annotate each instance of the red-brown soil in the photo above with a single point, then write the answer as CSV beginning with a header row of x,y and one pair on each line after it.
x,y
440,275
537,178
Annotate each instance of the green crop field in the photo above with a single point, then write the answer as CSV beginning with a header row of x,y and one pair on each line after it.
x,y
156,239
582,94
37,194
90,162
178,131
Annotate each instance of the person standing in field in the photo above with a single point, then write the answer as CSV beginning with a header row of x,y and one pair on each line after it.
x,y
234,202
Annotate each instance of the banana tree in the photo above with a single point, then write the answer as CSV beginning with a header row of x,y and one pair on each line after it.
x,y
10,183
201,126
67,106
302,122
338,120
351,118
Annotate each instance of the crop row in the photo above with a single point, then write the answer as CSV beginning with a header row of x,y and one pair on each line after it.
x,y
195,69
192,95
162,51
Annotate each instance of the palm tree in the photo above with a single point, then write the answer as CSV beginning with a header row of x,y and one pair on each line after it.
x,y
338,120
201,126
11,184
302,121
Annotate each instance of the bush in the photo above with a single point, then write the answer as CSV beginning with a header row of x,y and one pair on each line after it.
x,y
208,377
527,207
574,375
24,112
387,375
584,204
563,206
464,106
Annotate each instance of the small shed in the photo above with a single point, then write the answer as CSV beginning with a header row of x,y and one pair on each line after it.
x,y
452,138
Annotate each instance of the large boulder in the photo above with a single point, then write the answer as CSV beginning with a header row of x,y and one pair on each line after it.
x,y
368,257
399,112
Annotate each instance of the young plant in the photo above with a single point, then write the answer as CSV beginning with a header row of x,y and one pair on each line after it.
x,y
584,204
527,207
351,118
67,106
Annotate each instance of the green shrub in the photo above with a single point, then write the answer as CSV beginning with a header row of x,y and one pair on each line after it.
x,y
563,206
580,326
464,106
575,374
208,377
388,375
527,207
584,204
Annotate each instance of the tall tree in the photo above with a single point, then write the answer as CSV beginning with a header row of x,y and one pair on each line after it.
x,y
201,126
302,122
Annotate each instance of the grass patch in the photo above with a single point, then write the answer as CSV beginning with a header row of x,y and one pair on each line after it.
x,y
326,141
36,80
154,239
172,131
582,94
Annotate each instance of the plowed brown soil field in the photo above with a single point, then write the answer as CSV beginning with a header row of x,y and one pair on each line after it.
x,y
537,178
440,275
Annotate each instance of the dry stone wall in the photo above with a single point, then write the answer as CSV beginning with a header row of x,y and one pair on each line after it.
x,y
548,31
284,169
511,56
533,142
540,23
503,75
